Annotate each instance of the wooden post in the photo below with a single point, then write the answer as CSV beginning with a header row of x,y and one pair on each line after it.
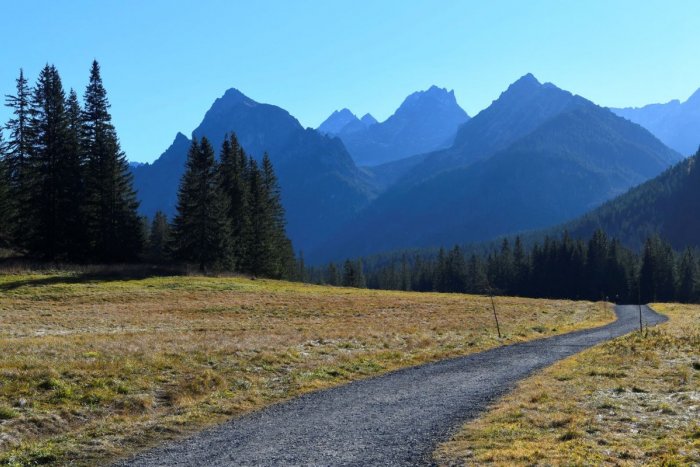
x,y
493,305
639,302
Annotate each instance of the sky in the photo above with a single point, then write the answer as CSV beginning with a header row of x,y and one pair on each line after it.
x,y
164,62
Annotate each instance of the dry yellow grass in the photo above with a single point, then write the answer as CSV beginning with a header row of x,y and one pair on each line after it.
x,y
632,401
93,370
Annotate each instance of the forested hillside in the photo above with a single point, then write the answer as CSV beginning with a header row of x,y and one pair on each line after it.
x,y
668,205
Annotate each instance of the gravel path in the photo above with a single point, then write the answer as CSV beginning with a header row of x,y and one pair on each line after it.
x,y
395,419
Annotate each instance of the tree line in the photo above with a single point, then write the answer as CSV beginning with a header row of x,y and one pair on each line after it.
x,y
600,268
66,191
66,188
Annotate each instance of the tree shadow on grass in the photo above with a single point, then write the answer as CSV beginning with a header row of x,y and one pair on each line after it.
x,y
88,274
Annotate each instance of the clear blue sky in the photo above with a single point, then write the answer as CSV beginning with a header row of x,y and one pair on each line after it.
x,y
164,62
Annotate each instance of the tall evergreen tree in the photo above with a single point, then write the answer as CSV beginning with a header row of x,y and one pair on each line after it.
x,y
16,159
234,185
657,272
596,261
283,254
112,221
159,239
5,225
333,275
49,170
74,167
353,274
688,277
201,228
261,246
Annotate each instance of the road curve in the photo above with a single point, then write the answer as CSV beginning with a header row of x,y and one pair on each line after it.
x,y
394,419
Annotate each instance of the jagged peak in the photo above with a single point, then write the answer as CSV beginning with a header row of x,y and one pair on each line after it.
x,y
337,121
368,119
233,96
433,94
344,112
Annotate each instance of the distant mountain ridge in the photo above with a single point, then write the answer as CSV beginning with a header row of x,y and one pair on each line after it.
x,y
675,123
320,185
536,157
519,110
668,205
425,121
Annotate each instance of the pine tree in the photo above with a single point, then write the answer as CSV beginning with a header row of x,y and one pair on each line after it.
x,y
16,160
477,280
596,262
72,206
332,275
521,267
261,246
113,224
353,274
688,277
159,239
657,272
234,183
5,226
201,229
405,274
282,254
49,169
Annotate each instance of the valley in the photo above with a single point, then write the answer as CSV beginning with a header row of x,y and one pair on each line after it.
x,y
95,368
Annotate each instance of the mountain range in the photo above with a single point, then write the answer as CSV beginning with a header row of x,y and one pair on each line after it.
x,y
537,156
424,122
675,123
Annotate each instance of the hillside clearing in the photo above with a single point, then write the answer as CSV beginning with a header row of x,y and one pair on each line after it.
x,y
634,400
92,370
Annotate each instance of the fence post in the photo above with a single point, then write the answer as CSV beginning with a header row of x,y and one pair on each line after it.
x,y
493,305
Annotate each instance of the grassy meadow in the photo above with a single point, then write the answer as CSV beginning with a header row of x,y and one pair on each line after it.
x,y
632,401
92,370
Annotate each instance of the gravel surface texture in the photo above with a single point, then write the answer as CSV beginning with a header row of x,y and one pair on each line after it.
x,y
394,419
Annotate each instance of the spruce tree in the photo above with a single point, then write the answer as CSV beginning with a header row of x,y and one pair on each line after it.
x,y
333,275
657,272
235,187
201,231
688,277
521,267
50,172
596,261
5,225
72,206
282,252
353,275
259,245
112,222
16,160
159,239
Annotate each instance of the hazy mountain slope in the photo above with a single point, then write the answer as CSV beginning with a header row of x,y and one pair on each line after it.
x,y
519,110
568,165
154,182
337,121
321,186
425,121
676,124
668,205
